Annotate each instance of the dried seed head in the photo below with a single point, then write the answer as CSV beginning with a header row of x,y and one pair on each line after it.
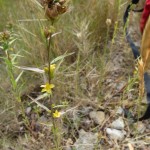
x,y
5,35
108,22
50,1
53,8
52,12
62,2
62,9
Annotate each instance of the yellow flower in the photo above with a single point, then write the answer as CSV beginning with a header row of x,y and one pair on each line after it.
x,y
56,114
47,88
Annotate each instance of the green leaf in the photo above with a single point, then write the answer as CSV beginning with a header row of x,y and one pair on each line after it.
x,y
12,41
19,76
60,57
14,56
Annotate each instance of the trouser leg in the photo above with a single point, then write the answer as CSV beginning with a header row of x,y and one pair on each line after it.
x,y
145,55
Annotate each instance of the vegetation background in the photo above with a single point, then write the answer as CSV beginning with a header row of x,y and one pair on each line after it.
x,y
80,79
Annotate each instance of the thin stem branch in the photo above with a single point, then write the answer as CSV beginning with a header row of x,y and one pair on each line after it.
x,y
48,59
49,39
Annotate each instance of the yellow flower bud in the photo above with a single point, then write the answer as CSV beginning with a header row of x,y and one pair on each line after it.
x,y
52,69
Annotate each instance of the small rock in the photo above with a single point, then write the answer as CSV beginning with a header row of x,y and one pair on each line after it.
x,y
97,116
115,134
148,127
144,100
21,129
108,95
86,140
109,80
120,111
86,123
69,142
86,110
140,127
68,148
43,119
130,96
120,85
28,110
118,124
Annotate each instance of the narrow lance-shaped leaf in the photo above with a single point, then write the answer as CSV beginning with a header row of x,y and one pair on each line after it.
x,y
30,69
56,34
39,104
60,57
12,41
19,76
40,97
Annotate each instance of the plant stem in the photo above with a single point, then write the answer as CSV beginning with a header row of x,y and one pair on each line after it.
x,y
48,51
49,81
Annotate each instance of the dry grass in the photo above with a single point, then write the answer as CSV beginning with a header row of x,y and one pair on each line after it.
x,y
79,80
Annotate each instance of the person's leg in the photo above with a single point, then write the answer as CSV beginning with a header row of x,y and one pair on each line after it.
x,y
145,55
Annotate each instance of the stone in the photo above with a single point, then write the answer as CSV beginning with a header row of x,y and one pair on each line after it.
x,y
118,124
28,110
86,110
86,140
97,116
116,134
120,111
43,119
140,127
